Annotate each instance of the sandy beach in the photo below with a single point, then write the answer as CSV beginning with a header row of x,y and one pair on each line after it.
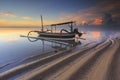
x,y
99,61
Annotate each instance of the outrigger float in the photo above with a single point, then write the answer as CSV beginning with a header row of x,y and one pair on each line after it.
x,y
63,35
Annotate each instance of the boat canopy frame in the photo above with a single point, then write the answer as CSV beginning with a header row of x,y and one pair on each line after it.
x,y
64,23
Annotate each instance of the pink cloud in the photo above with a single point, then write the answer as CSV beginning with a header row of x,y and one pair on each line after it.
x,y
8,13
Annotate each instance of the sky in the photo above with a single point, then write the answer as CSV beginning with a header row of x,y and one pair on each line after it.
x,y
84,12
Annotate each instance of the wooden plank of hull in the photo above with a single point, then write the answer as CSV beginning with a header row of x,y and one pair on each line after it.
x,y
57,35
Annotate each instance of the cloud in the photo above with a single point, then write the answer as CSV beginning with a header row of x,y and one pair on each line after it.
x,y
93,15
26,18
116,15
10,14
84,22
97,21
22,23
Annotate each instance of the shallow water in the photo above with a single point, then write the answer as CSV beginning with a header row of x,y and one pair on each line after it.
x,y
14,49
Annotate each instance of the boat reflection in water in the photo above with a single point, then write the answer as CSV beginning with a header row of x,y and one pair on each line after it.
x,y
56,44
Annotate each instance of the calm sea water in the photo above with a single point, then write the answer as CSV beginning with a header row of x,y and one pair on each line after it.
x,y
14,48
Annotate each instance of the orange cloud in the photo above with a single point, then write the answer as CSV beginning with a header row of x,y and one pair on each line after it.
x,y
97,21
84,22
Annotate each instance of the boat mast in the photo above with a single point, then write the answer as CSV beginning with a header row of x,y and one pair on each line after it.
x,y
42,23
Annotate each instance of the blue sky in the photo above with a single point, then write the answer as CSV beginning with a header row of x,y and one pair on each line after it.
x,y
52,10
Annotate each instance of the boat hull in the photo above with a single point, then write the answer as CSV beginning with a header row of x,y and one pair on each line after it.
x,y
57,35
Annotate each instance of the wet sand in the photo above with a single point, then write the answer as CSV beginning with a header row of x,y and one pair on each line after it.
x,y
99,61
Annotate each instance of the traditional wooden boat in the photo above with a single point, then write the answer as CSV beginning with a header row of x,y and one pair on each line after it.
x,y
67,34
63,35
57,35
